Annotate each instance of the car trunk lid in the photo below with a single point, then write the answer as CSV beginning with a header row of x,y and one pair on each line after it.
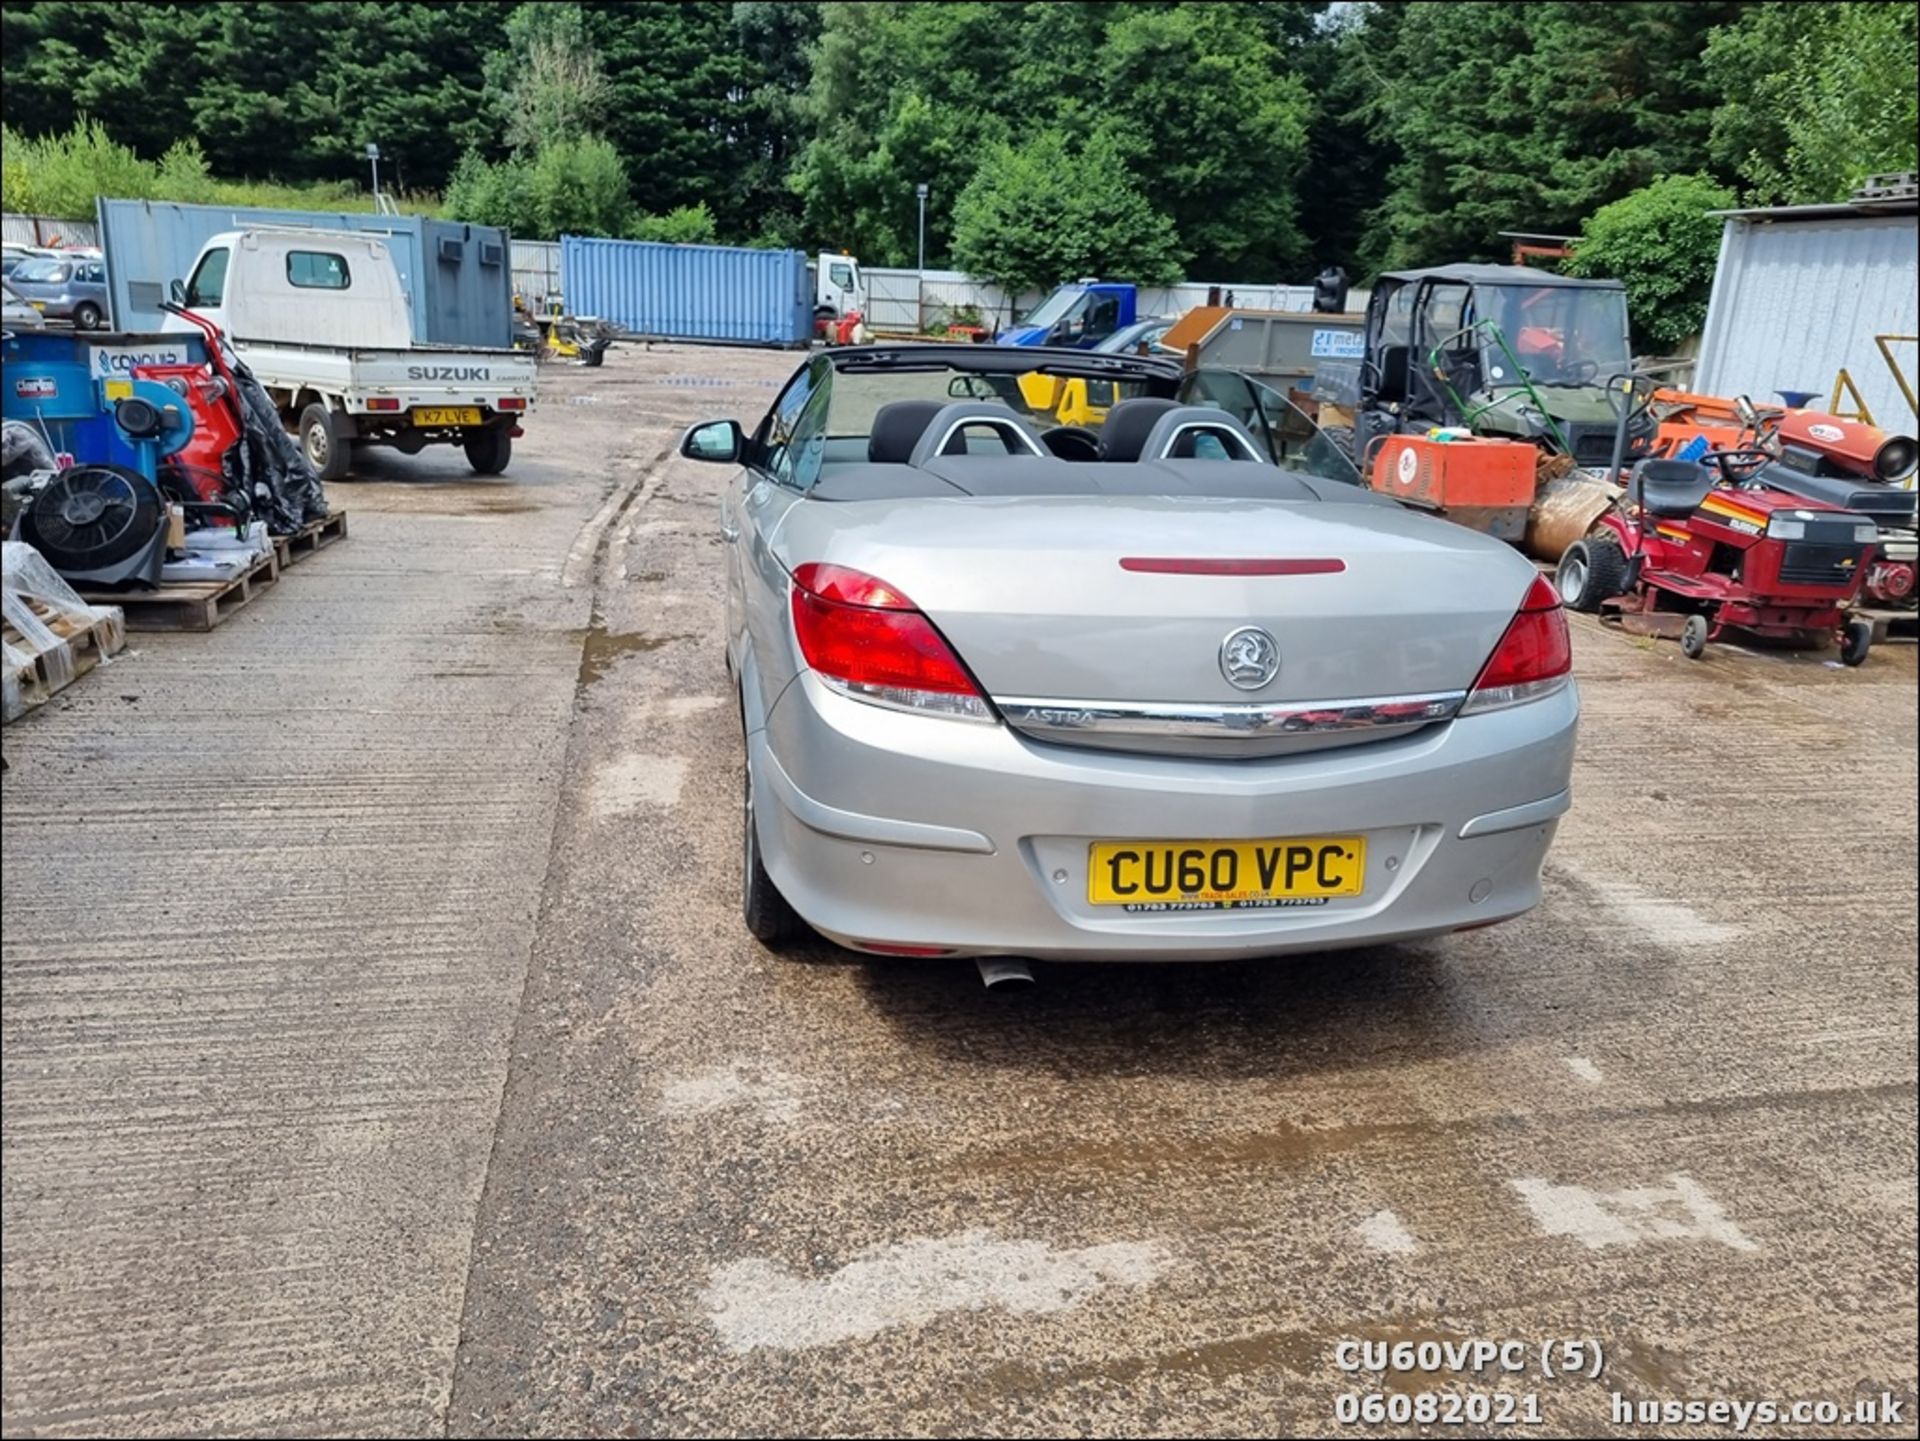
x,y
1106,621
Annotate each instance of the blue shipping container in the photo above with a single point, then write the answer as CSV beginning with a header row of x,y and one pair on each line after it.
x,y
690,292
458,277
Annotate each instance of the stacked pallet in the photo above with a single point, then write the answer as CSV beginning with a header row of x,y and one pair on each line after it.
x,y
51,636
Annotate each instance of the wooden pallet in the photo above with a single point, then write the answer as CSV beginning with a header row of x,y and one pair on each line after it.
x,y
191,604
83,645
314,535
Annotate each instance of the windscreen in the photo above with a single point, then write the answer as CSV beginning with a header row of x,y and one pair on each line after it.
x,y
1054,306
1559,335
41,271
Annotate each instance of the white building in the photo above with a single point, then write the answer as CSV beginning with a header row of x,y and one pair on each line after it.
x,y
1804,291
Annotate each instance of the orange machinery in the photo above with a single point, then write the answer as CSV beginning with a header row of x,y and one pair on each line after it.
x,y
1481,483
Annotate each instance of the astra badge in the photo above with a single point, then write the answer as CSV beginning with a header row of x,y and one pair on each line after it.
x,y
1249,658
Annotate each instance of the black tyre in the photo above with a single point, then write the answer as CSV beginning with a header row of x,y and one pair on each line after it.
x,y
326,450
1341,438
1856,639
87,316
1693,637
770,920
1590,571
488,451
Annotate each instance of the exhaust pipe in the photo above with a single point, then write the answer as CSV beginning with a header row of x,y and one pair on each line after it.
x,y
1004,973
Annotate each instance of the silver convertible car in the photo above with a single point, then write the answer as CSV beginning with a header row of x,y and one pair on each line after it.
x,y
1121,689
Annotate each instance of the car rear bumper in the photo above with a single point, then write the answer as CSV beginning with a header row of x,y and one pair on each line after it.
x,y
891,829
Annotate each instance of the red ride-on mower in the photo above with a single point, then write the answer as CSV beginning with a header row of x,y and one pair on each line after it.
x,y
1696,547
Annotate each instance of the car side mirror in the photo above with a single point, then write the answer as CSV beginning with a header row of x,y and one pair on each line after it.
x,y
720,442
177,292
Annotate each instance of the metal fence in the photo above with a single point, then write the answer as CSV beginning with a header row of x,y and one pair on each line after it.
x,y
910,300
45,230
536,272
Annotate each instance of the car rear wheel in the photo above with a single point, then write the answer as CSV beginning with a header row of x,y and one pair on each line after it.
x,y
1589,572
327,451
86,316
488,451
770,920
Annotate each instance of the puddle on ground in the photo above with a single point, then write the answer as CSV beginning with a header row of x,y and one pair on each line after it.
x,y
461,498
600,649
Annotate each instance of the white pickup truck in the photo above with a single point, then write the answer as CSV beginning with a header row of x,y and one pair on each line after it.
x,y
322,321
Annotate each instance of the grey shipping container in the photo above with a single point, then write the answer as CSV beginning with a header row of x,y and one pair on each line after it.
x,y
1283,348
457,276
690,292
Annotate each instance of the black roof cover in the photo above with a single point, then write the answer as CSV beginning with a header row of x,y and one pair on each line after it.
x,y
1501,275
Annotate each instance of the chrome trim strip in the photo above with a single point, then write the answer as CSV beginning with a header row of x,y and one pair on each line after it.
x,y
1226,722
1516,818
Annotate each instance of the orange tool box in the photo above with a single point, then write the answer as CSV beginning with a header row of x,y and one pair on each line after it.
x,y
1480,483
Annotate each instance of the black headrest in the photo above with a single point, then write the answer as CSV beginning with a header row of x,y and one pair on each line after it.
x,y
897,427
1128,425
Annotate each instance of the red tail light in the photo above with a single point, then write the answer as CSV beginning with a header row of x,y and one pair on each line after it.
x,y
1532,661
380,403
511,402
868,641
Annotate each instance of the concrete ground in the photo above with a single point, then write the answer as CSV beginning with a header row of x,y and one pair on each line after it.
x,y
383,1052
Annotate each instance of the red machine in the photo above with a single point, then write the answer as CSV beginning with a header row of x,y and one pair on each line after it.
x,y
1697,548
207,474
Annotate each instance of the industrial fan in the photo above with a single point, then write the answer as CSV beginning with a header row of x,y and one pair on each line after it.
x,y
99,525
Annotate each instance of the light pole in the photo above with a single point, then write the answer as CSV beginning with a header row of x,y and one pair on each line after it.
x,y
373,154
920,275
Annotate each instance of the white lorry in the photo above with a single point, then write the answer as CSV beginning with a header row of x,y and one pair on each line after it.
x,y
839,296
321,319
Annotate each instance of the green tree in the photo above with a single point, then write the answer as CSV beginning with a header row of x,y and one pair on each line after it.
x,y
548,83
1096,220
1826,97
689,225
1529,117
1663,243
1215,131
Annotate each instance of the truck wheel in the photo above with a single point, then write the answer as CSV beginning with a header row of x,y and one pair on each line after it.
x,y
1591,571
488,451
320,438
86,316
1341,437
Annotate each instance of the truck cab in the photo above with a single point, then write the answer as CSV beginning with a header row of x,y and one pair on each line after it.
x,y
302,288
323,321
839,293
1079,314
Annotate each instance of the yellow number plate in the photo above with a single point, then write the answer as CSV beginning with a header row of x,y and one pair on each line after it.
x,y
1225,875
451,415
